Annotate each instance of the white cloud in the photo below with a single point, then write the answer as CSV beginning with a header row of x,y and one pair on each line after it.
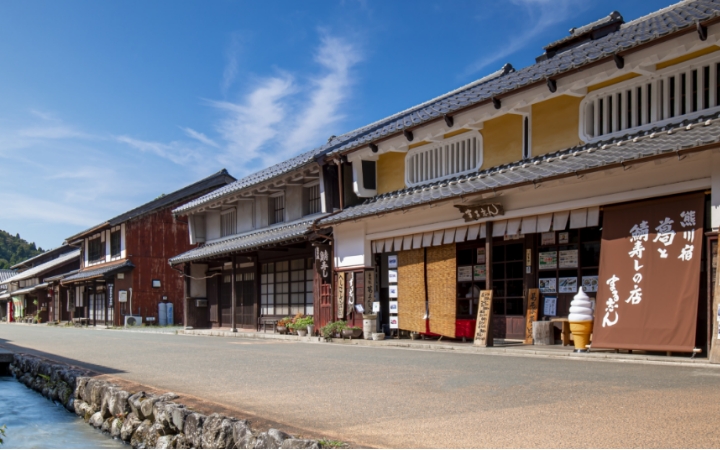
x,y
180,153
200,137
543,14
54,132
25,207
231,67
329,91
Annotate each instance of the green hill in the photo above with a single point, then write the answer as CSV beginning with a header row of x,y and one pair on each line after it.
x,y
14,249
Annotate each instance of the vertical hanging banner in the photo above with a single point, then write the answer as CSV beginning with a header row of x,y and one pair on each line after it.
x,y
482,328
533,304
351,291
340,295
649,279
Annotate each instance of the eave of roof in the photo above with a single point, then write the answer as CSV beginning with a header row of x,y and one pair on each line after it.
x,y
46,266
672,138
58,250
217,179
99,272
252,240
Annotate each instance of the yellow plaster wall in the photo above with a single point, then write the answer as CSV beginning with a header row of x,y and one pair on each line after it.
x,y
391,172
555,124
502,140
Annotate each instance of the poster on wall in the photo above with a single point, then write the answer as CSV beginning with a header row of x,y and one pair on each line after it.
x,y
590,283
393,291
392,261
392,276
481,255
550,308
394,323
464,273
563,237
568,259
548,285
376,307
547,238
480,272
394,307
547,260
568,285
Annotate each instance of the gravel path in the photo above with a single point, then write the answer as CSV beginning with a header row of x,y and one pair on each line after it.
x,y
405,398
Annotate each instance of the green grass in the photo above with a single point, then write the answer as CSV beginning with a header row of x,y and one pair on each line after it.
x,y
328,443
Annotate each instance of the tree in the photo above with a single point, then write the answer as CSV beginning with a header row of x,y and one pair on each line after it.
x,y
14,249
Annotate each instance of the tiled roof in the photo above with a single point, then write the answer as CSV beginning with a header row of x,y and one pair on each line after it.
x,y
61,276
50,254
612,18
277,234
5,274
44,267
111,269
213,181
640,31
670,138
29,289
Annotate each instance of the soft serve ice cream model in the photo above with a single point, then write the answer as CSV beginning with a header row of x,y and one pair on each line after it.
x,y
581,320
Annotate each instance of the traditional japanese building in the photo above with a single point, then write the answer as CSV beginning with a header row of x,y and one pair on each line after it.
x,y
595,168
123,269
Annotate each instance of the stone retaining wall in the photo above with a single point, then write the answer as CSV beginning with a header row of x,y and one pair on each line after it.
x,y
141,419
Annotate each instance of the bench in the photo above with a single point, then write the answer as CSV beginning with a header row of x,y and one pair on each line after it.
x,y
80,321
265,321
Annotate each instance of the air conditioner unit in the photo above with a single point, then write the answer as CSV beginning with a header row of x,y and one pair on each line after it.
x,y
133,321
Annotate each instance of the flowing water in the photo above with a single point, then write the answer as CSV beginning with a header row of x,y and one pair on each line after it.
x,y
33,421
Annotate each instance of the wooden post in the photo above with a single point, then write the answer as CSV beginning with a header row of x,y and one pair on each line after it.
x,y
186,300
489,277
233,295
95,300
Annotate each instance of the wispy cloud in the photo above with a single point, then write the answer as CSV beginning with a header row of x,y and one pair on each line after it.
x,y
280,115
24,207
543,14
200,137
231,66
328,93
53,132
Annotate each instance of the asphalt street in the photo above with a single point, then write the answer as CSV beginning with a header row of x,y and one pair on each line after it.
x,y
386,397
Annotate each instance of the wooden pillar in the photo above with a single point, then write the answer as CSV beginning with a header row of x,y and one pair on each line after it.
x,y
186,301
233,296
95,299
489,275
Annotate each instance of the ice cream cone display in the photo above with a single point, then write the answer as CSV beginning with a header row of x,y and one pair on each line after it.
x,y
581,320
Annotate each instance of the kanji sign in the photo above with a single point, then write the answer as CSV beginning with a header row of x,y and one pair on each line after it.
x,y
647,295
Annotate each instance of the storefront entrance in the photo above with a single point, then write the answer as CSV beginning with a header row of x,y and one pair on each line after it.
x,y
508,284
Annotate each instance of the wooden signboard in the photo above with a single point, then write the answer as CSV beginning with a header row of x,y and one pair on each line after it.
x,y
341,295
533,305
483,336
369,290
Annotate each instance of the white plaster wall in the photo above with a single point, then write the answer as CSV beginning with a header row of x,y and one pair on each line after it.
x,y
212,225
293,203
351,247
198,286
245,215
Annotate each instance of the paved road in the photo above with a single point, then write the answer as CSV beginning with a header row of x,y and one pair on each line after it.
x,y
406,398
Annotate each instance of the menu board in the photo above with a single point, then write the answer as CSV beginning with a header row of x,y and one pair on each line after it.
x,y
568,259
590,283
548,285
568,285
480,272
550,308
482,337
393,291
481,255
547,238
465,273
547,260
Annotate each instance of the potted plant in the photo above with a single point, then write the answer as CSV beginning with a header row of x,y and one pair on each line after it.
x,y
351,332
301,325
333,329
282,325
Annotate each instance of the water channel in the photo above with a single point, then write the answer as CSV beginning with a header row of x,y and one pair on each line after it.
x,y
35,422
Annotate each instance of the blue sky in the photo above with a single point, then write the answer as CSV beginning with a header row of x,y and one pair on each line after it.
x,y
106,105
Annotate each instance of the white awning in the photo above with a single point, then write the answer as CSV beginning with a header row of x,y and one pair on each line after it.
x,y
558,221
